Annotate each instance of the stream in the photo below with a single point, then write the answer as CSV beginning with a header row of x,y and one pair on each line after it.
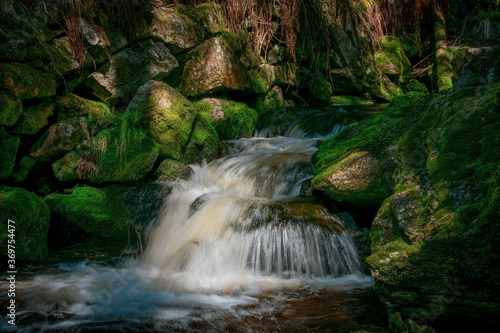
x,y
238,247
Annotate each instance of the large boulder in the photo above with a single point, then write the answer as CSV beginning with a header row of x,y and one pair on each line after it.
x,y
24,82
212,67
230,119
129,69
8,151
30,218
435,249
60,138
166,115
356,166
262,78
177,31
204,143
98,212
34,118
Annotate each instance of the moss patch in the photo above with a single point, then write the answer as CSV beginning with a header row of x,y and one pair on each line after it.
x,y
31,216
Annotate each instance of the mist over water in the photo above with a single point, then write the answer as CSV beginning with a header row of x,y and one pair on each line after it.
x,y
236,247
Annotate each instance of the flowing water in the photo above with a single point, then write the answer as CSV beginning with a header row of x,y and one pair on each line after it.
x,y
236,247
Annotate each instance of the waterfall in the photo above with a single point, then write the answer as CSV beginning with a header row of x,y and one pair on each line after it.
x,y
244,214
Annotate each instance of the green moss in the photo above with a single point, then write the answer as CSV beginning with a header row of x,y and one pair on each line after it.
x,y
73,105
203,142
31,216
97,211
236,120
8,150
392,61
350,100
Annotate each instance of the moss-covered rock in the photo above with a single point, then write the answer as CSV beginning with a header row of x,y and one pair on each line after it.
x,y
129,69
434,248
119,154
98,212
272,101
172,170
176,30
376,83
24,82
203,142
8,150
34,118
30,226
72,105
166,115
10,109
345,48
356,165
286,74
212,67
231,120
60,138
392,61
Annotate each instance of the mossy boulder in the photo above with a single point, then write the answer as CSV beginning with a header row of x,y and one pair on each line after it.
x,y
167,115
345,48
212,67
356,165
286,74
349,100
71,105
272,101
392,61
98,212
10,109
30,216
34,118
129,69
60,138
8,150
434,241
24,82
231,120
176,30
376,83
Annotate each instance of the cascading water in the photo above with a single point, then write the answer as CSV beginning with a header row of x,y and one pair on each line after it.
x,y
236,247
232,217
